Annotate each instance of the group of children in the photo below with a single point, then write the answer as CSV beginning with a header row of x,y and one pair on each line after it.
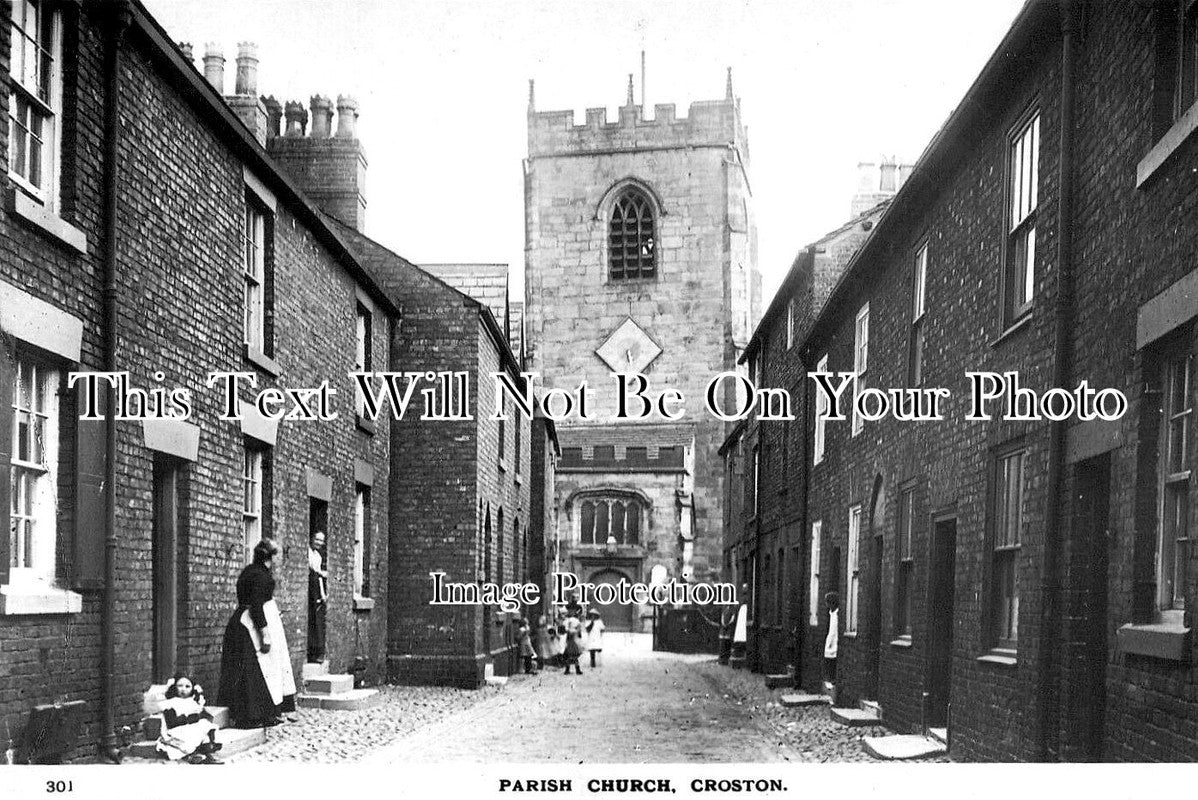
x,y
560,644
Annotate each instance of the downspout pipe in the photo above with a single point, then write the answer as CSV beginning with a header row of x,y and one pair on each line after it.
x,y
799,631
119,21
1050,621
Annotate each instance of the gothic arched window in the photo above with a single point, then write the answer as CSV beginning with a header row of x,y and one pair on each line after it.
x,y
601,518
632,237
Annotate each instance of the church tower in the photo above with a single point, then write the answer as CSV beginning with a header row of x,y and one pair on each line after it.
x,y
641,256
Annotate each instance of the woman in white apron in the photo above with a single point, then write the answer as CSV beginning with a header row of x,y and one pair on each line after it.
x,y
256,682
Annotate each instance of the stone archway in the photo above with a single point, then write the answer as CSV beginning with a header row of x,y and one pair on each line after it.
x,y
615,617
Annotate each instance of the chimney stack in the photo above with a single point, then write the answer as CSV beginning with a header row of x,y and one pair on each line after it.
x,y
877,182
347,117
185,49
247,70
274,116
214,66
322,116
329,167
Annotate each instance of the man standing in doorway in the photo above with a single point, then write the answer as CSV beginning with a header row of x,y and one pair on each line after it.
x,y
740,629
831,641
318,596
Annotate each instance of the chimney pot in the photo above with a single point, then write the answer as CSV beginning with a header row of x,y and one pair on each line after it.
x,y
347,117
247,69
185,49
274,115
297,118
889,177
322,116
214,66
867,177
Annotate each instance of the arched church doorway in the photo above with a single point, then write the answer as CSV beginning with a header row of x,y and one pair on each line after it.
x,y
615,617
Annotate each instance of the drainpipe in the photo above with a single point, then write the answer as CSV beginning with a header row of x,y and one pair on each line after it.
x,y
120,20
799,634
1050,618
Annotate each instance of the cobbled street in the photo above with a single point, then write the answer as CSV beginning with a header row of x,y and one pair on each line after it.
x,y
639,706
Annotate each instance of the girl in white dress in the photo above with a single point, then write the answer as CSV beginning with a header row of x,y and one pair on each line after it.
x,y
188,731
595,628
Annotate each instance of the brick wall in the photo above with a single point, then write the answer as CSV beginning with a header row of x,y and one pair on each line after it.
x,y
179,233
1129,243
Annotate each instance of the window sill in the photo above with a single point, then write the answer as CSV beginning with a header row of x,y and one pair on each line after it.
x,y
20,600
849,635
1012,329
363,603
262,361
503,466
519,479
22,205
1000,656
902,641
365,425
1173,139
1168,641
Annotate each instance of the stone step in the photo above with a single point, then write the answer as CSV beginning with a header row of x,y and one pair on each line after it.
x,y
870,705
329,684
800,699
495,680
353,700
315,670
903,747
152,726
783,680
939,734
855,717
233,740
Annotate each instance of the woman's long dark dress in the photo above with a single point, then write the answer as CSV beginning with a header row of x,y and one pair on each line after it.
x,y
243,688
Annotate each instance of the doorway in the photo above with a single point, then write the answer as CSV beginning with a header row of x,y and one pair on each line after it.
x,y
941,588
1091,537
318,584
873,639
165,556
486,610
617,616
873,607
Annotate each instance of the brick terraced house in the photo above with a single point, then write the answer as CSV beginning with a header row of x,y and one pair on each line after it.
x,y
463,492
763,508
1029,585
147,231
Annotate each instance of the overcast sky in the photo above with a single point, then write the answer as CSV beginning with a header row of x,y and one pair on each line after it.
x,y
443,88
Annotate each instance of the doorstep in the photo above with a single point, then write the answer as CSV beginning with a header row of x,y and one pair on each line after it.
x,y
900,747
232,740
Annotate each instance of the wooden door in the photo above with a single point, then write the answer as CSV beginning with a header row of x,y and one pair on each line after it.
x,y
165,547
940,620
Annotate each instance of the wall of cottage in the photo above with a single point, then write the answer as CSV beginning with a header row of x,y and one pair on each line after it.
x,y
504,491
947,465
1131,243
180,229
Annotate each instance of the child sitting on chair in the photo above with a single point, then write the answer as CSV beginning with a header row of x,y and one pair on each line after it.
x,y
188,731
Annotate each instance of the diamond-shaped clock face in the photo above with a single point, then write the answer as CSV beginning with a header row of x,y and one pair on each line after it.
x,y
628,348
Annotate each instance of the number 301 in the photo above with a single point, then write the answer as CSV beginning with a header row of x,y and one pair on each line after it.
x,y
53,787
